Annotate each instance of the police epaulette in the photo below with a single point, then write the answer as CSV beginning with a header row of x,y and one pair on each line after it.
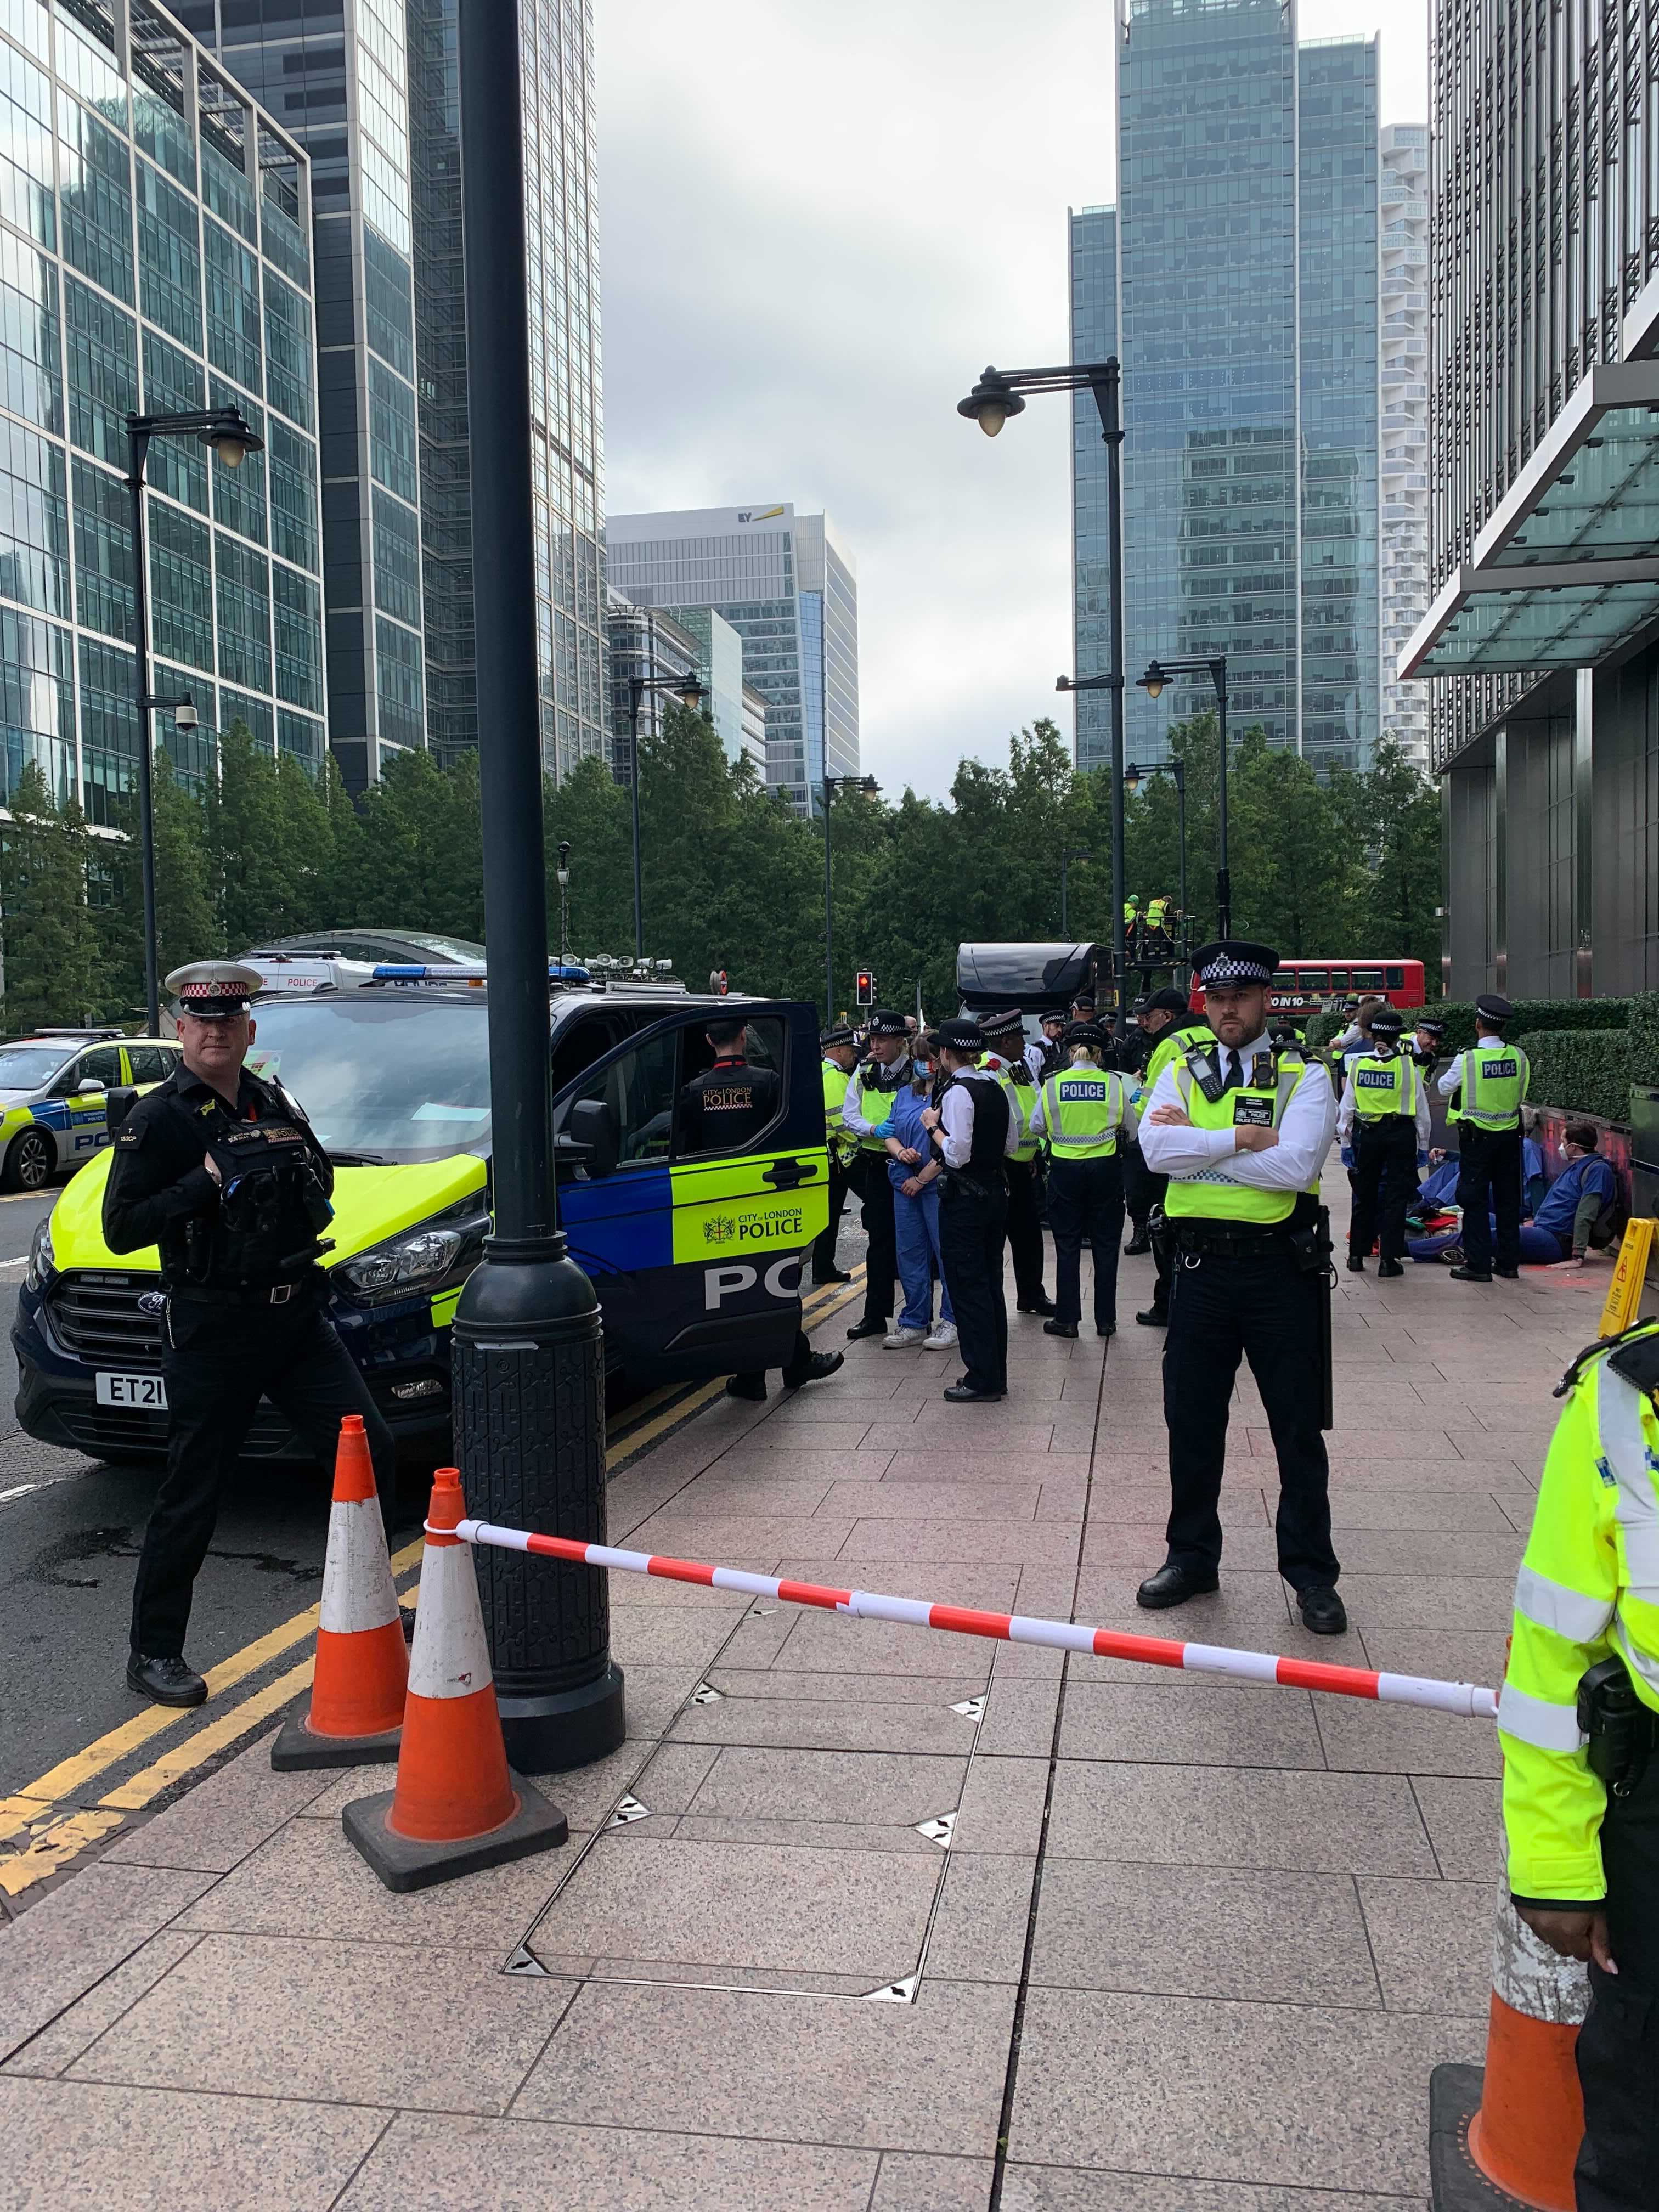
x,y
1637,1330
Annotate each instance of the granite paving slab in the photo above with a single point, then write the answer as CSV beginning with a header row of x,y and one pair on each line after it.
x,y
1197,1816
1186,1721
66,1944
62,2041
1432,1942
744,1784
1074,2189
1465,1827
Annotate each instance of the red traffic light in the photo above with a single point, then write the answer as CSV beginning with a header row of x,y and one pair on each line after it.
x,y
864,987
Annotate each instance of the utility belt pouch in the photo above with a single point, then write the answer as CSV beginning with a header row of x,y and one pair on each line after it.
x,y
1621,1730
1310,1243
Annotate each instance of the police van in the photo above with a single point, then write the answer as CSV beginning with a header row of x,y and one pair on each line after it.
x,y
696,1256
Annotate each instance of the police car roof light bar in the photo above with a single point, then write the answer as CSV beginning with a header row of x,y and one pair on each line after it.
x,y
1467,1700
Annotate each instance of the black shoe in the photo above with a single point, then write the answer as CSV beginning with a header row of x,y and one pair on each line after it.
x,y
1152,1318
1174,1585
1356,1264
1388,1269
406,1615
964,1393
1507,1274
1041,1303
1468,1274
1060,1328
1110,1330
836,1275
820,1364
1139,1243
166,1682
868,1328
745,1386
1322,1610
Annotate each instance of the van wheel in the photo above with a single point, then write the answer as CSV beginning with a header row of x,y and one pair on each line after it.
x,y
29,1163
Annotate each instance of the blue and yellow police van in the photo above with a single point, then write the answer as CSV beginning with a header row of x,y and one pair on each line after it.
x,y
696,1256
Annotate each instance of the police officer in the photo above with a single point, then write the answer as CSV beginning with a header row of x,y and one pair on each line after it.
x,y
723,1110
1579,1716
1243,1143
1424,1045
868,1104
1493,1077
1183,1030
1005,1061
1155,1016
973,1132
223,1172
840,1057
1042,1054
1083,1113
1383,1126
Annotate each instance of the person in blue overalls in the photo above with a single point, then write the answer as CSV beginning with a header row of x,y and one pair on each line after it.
x,y
914,1171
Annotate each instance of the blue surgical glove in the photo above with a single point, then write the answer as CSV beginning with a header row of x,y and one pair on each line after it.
x,y
1347,1156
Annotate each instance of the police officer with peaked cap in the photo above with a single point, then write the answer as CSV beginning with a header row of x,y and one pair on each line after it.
x,y
1084,1114
1383,1126
1243,1142
974,1132
223,1171
875,1085
1005,1041
1492,1078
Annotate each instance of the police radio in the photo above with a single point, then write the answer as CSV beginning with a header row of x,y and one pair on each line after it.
x,y
864,986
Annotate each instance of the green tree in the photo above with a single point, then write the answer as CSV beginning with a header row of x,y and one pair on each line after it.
x,y
50,940
249,862
590,812
1392,815
186,926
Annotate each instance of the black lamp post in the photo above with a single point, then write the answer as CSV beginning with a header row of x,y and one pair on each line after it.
x,y
1158,673
231,438
991,401
832,784
1068,854
527,1343
688,691
1133,778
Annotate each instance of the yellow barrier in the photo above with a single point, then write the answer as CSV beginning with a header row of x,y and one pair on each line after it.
x,y
1624,1294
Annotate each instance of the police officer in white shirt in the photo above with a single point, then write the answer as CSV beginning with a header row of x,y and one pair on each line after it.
x,y
974,1132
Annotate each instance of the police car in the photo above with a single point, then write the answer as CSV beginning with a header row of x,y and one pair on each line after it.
x,y
52,1088
696,1257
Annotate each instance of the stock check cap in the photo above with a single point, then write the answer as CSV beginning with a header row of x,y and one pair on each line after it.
x,y
1386,1023
960,1036
841,1034
214,990
1234,960
1493,1008
1003,1028
885,1023
1167,1001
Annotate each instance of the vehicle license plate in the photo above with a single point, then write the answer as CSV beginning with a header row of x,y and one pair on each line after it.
x,y
148,1392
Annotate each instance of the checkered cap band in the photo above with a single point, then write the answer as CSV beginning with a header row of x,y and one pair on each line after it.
x,y
1227,968
1001,1025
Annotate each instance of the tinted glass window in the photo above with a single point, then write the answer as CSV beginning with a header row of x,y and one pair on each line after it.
x,y
151,1063
1368,979
639,1087
101,1065
1397,978
759,1075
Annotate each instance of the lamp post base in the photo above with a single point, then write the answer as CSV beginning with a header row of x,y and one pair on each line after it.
x,y
527,1349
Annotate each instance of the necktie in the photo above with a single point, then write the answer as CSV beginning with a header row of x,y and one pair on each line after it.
x,y
1235,1071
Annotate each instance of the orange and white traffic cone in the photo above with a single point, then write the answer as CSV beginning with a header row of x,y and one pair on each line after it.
x,y
1509,2136
357,1690
458,1806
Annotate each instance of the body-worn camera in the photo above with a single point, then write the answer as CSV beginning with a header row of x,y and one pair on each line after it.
x,y
271,1204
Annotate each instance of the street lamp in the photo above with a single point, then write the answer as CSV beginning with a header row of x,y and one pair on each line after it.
x,y
1158,673
688,691
1068,852
1132,779
230,439
564,902
832,784
991,401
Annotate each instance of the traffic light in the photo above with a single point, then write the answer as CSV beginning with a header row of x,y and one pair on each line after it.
x,y
864,986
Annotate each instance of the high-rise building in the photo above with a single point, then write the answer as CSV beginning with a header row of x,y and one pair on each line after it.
x,y
787,585
692,641
371,87
1404,431
1237,279
155,256
1543,444
719,666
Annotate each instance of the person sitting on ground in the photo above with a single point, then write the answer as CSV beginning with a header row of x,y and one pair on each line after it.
x,y
1577,1208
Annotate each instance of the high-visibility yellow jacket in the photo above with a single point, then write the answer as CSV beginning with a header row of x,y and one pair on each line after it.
x,y
1589,1587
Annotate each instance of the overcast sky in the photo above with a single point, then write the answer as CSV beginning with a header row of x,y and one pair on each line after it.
x,y
817,224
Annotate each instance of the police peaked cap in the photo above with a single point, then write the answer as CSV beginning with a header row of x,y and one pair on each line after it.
x,y
885,1023
840,1035
1234,960
1089,1033
214,990
1386,1023
1493,1008
993,1026
961,1036
1054,1014
1433,1023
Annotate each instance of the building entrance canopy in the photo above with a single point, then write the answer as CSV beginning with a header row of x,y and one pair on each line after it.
x,y
1566,571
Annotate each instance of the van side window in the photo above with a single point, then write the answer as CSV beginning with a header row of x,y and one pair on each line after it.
x,y
720,1115
639,1089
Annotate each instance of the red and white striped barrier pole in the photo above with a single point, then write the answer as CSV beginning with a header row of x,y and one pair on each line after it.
x,y
1464,1698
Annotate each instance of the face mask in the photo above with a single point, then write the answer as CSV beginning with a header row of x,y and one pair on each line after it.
x,y
922,1069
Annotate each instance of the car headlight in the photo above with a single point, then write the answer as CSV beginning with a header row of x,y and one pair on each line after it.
x,y
42,1266
420,1257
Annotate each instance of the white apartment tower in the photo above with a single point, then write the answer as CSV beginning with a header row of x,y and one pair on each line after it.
x,y
1403,425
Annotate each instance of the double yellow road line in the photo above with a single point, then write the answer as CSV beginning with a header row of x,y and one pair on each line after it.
x,y
58,1830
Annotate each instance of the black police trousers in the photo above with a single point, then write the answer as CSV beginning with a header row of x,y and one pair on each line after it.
x,y
218,1362
1384,1184
1263,1307
1489,1185
870,1180
1618,2168
971,1223
1025,1231
1085,1199
1141,1188
824,1245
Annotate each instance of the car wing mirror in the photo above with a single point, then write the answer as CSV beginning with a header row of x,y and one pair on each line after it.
x,y
90,1086
592,1126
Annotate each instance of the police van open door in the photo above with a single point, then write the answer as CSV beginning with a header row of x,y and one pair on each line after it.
x,y
696,1255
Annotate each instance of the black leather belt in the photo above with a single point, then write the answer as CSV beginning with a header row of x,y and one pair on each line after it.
x,y
245,1294
1211,1241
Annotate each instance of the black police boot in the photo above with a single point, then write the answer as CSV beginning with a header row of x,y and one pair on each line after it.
x,y
1139,1243
1152,1318
166,1682
1322,1610
816,1368
1507,1274
1060,1328
836,1275
745,1386
1356,1264
1388,1269
1174,1585
964,1393
868,1327
1468,1274
1041,1303
1110,1330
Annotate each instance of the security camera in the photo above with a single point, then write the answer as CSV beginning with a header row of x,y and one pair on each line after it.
x,y
185,717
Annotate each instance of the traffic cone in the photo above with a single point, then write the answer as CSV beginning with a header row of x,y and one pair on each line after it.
x,y
357,1690
1508,2134
458,1806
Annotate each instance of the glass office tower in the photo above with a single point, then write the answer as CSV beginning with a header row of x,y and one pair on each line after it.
x,y
1404,431
155,256
1244,252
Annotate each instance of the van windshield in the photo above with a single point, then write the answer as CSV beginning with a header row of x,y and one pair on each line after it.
x,y
381,1078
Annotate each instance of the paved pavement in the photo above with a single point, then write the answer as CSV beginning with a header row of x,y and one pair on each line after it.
x,y
1192,1948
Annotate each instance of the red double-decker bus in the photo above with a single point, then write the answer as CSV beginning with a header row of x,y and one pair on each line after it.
x,y
1304,987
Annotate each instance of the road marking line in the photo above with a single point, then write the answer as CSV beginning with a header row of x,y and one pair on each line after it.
x,y
51,1852
21,1490
161,1774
